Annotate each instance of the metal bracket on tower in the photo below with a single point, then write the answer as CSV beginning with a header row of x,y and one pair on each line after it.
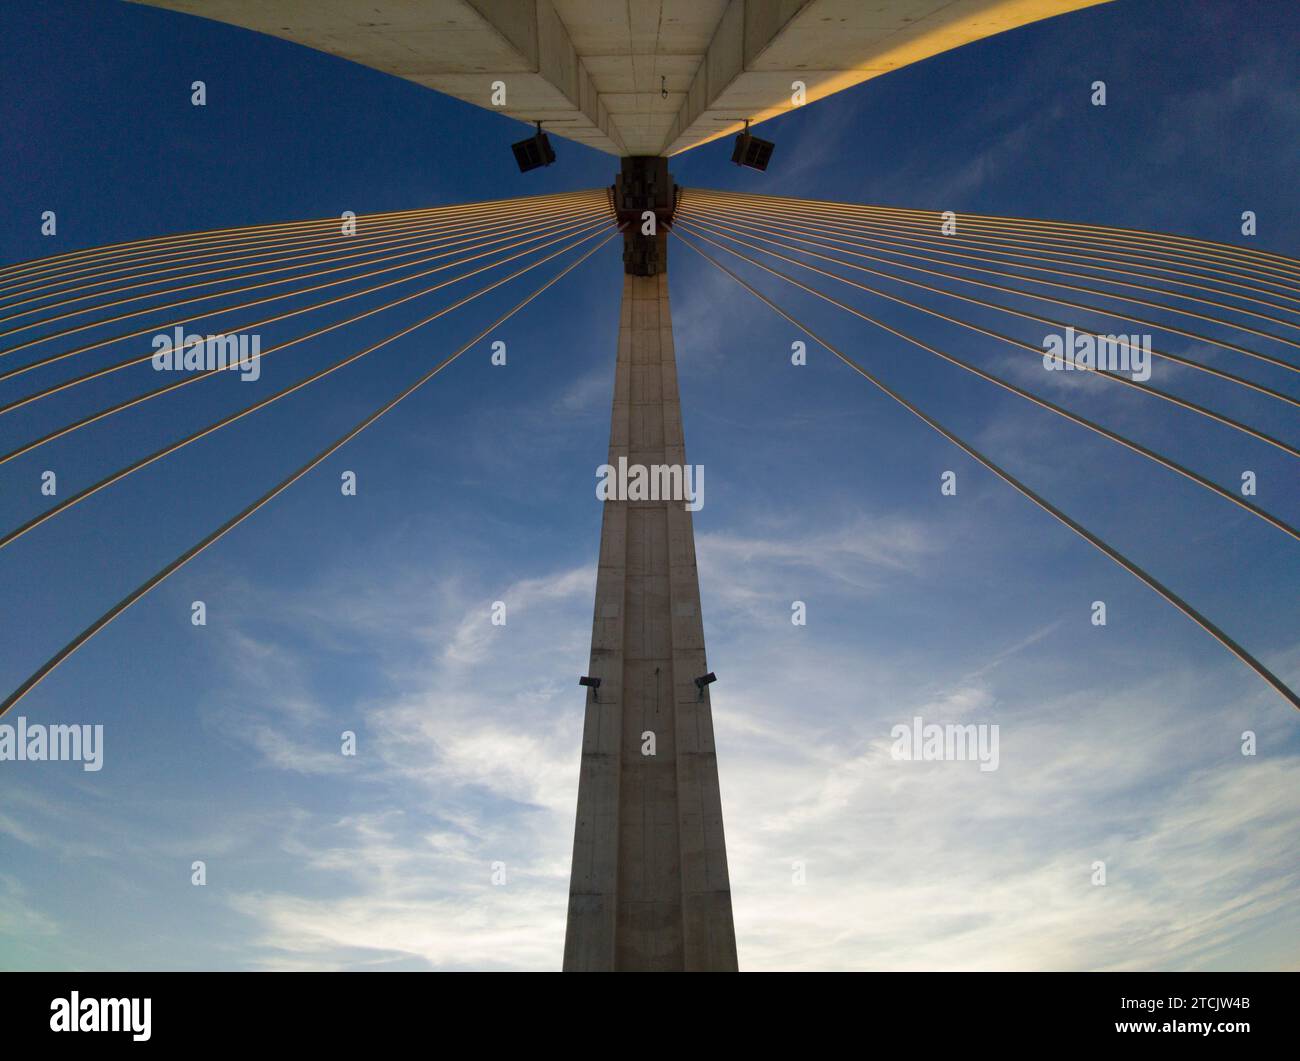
x,y
645,199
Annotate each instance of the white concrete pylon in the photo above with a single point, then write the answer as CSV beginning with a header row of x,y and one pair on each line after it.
x,y
649,888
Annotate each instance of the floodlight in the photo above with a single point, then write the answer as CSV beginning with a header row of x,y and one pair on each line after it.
x,y
752,151
534,152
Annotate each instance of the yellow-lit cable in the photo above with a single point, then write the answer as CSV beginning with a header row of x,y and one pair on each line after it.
x,y
117,476
185,380
297,251
417,241
1068,231
248,234
97,373
1183,403
1114,554
41,673
1187,362
867,237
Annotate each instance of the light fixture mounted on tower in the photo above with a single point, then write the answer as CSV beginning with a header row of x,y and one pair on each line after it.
x,y
534,152
750,150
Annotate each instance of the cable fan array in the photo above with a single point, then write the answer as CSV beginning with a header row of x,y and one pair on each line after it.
x,y
1043,272
61,297
946,264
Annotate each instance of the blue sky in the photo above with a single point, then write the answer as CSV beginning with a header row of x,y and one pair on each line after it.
x,y
371,613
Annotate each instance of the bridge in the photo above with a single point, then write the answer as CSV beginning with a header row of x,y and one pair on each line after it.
x,y
650,888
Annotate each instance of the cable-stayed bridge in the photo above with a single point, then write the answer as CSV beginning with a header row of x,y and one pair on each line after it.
x,y
650,886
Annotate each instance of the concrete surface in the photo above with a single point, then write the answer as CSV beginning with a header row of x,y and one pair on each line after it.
x,y
632,77
649,888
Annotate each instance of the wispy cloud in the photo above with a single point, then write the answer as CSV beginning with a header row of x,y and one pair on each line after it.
x,y
908,865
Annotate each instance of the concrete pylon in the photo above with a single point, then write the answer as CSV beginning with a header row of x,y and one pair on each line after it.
x,y
649,888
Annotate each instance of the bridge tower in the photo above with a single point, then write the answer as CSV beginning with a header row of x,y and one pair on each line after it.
x,y
649,888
